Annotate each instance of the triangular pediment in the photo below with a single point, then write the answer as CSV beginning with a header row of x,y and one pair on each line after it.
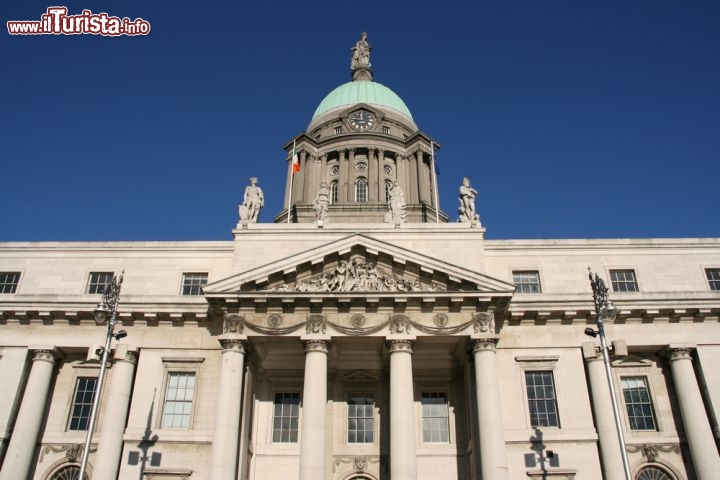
x,y
359,264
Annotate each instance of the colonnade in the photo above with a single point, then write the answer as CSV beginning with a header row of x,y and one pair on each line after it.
x,y
411,170
403,464
692,410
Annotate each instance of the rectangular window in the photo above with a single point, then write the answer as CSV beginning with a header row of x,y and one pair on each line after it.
x,y
436,427
623,281
386,130
285,417
98,282
338,130
9,281
542,402
179,395
193,283
638,403
713,277
527,281
82,403
360,419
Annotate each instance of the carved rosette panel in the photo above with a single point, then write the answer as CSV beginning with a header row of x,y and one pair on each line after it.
x,y
440,320
233,323
315,323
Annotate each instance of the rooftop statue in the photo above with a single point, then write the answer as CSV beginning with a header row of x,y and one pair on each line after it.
x,y
467,203
361,53
253,201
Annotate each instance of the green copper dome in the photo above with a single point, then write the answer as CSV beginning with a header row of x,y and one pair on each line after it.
x,y
372,93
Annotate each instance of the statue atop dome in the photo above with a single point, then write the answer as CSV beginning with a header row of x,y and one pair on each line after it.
x,y
360,62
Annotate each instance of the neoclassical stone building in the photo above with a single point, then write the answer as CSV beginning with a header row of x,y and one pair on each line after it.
x,y
364,335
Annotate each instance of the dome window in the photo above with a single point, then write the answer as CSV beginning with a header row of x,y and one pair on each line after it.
x,y
361,190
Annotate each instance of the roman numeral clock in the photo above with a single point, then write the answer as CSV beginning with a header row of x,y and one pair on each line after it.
x,y
361,120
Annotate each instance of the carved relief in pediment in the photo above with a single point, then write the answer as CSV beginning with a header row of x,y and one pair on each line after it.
x,y
356,275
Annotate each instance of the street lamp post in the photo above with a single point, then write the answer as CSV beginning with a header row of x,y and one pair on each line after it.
x,y
604,309
106,311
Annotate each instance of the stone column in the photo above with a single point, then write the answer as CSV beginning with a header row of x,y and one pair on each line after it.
x,y
412,191
610,458
322,171
298,181
342,176
380,175
350,190
309,189
223,463
697,427
423,184
402,175
116,402
493,456
312,423
403,463
372,175
21,450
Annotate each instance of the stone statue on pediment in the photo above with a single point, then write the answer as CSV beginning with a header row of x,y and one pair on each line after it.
x,y
467,203
253,201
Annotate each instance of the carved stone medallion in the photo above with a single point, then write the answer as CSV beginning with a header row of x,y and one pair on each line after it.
x,y
357,320
275,320
440,319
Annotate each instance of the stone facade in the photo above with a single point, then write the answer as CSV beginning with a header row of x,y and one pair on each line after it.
x,y
360,348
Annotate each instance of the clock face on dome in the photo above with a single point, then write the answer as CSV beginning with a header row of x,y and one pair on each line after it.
x,y
361,120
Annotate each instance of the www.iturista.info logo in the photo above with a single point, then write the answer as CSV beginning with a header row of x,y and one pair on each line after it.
x,y
56,21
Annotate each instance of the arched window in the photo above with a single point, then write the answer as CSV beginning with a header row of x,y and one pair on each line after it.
x,y
361,190
334,191
653,473
388,189
69,472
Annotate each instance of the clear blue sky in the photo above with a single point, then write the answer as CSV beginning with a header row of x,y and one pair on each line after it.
x,y
574,119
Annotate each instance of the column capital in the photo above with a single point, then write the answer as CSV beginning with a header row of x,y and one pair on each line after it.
x,y
316,345
233,342
590,352
125,353
396,345
484,342
43,353
679,352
